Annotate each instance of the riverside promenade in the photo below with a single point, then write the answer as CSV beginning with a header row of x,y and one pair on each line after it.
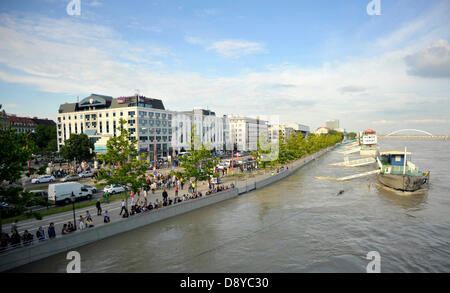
x,y
62,243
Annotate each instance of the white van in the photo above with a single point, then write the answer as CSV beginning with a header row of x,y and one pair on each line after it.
x,y
62,192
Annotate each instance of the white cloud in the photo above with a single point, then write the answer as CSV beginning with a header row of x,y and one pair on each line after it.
x,y
66,56
433,61
94,3
236,48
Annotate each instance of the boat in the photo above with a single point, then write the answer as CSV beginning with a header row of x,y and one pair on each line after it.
x,y
369,143
398,172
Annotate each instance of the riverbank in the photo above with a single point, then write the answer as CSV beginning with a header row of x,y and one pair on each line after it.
x,y
24,255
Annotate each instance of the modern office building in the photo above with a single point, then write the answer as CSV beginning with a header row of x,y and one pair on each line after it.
x,y
332,124
246,131
212,131
98,117
304,129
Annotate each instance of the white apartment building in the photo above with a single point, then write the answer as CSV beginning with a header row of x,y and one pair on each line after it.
x,y
98,117
332,124
211,131
245,132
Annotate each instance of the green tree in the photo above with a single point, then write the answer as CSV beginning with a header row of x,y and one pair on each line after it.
x,y
77,147
44,138
351,135
14,155
130,167
199,164
266,152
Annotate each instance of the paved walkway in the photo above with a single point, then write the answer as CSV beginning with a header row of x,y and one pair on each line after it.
x,y
114,207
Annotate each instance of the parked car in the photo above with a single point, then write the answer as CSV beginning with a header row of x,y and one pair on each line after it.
x,y
40,193
43,179
62,192
85,174
113,189
92,189
71,177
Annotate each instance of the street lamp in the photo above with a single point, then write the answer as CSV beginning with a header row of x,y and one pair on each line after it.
x,y
73,207
30,132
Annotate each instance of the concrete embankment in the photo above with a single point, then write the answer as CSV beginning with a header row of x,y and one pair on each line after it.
x,y
38,250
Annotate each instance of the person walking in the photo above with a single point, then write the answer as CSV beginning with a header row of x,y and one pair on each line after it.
x,y
123,208
176,190
99,208
165,195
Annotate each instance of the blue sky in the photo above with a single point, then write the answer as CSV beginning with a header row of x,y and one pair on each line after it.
x,y
306,61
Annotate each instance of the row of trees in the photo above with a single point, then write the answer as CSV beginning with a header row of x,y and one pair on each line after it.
x,y
270,154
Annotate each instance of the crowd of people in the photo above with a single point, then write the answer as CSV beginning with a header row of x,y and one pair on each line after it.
x,y
16,240
139,204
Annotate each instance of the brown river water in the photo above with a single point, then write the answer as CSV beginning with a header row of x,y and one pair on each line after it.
x,y
300,224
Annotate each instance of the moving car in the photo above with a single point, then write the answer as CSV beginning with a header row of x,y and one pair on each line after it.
x,y
62,192
71,177
43,179
113,189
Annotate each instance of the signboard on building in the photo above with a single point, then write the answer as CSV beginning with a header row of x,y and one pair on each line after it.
x,y
370,139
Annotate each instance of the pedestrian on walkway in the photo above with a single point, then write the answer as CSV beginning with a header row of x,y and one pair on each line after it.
x,y
99,208
40,234
14,226
123,207
107,196
176,190
51,231
106,217
165,195
82,225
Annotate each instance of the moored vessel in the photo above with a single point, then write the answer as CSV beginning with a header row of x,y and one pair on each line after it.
x,y
398,172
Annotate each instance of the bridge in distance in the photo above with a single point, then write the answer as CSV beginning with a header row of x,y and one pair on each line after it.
x,y
422,134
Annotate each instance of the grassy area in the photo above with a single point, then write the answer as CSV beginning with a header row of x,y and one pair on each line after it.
x,y
42,187
61,209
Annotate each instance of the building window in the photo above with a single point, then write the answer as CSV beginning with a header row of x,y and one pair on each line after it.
x,y
163,116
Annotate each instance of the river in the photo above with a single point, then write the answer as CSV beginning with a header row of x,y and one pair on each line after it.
x,y
300,224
